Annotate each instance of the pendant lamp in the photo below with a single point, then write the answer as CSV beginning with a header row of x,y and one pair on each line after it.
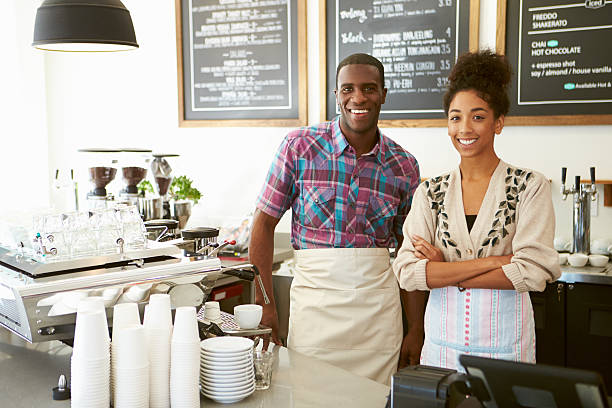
x,y
83,25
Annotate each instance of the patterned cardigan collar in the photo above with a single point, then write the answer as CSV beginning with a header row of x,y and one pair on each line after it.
x,y
505,186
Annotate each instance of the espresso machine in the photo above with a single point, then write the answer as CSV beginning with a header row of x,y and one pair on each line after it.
x,y
39,295
101,171
583,195
161,172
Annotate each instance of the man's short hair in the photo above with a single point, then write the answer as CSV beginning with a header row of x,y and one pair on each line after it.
x,y
363,59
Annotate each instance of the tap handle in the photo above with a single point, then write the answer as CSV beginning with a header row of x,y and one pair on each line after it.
x,y
563,174
592,175
578,184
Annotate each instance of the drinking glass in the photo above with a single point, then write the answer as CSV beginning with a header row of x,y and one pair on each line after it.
x,y
107,227
133,229
80,234
262,360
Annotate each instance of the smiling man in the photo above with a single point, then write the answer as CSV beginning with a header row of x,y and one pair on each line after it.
x,y
350,189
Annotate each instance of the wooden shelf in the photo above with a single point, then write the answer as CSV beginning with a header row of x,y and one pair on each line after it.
x,y
607,184
585,181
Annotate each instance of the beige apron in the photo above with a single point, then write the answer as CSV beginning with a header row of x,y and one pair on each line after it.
x,y
345,310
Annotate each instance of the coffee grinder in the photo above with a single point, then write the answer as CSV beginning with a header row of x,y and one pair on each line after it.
x,y
133,171
101,171
162,177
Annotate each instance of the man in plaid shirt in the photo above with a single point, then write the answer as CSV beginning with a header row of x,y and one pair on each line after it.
x,y
350,189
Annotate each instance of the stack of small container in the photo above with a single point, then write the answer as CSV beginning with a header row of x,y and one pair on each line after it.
x,y
90,362
185,360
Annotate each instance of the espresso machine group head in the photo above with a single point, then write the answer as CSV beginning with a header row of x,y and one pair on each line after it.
x,y
583,195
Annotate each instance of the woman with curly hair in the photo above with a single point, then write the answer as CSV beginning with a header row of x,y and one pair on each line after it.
x,y
479,237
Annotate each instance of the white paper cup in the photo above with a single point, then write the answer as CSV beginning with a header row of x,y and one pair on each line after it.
x,y
124,315
157,312
91,340
130,348
248,316
185,325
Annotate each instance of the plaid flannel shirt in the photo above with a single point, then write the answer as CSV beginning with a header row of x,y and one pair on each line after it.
x,y
339,200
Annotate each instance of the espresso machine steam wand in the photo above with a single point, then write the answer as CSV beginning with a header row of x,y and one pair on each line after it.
x,y
583,195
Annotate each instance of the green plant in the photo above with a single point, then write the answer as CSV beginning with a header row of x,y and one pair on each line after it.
x,y
181,189
144,187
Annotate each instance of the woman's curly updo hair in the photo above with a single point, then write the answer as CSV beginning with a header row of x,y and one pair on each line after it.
x,y
486,73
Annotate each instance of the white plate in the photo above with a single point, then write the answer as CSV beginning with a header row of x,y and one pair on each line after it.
x,y
225,356
234,384
227,344
230,398
226,367
214,390
226,378
226,373
230,393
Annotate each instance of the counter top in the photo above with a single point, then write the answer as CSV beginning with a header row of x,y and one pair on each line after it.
x,y
28,372
586,274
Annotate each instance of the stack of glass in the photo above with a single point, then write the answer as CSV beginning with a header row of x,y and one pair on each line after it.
x,y
78,234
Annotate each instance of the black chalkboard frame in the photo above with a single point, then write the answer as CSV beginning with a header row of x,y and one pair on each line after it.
x,y
473,35
537,119
300,83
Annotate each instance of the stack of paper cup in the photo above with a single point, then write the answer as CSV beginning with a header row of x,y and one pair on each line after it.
x,y
158,331
185,351
212,312
132,368
90,363
124,315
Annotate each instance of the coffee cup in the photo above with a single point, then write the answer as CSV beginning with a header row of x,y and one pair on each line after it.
x,y
598,260
248,316
562,244
601,246
563,258
577,259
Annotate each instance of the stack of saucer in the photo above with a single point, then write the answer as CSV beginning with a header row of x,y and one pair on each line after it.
x,y
226,368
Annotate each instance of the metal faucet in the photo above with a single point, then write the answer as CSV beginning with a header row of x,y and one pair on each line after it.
x,y
583,195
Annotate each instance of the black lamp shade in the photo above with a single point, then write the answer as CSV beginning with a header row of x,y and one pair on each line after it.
x,y
83,25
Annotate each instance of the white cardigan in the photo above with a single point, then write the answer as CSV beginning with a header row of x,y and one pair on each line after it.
x,y
516,216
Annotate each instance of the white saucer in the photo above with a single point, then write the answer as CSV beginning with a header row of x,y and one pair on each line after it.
x,y
226,367
227,381
226,373
231,378
214,390
229,398
225,385
225,356
227,344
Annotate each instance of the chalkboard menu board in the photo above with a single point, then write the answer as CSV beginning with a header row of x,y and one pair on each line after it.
x,y
560,51
241,63
417,41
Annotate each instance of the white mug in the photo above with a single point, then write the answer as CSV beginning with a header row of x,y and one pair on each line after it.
x,y
601,246
248,316
562,244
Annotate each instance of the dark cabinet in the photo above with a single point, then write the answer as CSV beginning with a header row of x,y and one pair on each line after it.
x,y
574,327
549,311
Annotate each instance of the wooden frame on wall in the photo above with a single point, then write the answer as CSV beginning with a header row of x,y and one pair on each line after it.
x,y
299,104
547,115
473,38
